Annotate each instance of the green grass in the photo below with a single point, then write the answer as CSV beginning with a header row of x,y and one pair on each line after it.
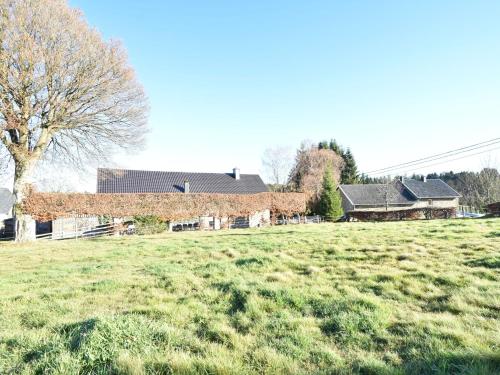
x,y
369,298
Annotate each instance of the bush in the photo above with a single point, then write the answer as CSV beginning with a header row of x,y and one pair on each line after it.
x,y
149,225
105,219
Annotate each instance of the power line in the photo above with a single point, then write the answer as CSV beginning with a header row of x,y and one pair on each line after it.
x,y
445,161
436,158
443,155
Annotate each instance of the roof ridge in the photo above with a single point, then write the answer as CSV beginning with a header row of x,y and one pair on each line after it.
x,y
157,171
390,183
114,180
421,190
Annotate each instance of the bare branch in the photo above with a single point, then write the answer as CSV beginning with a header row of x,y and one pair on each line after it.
x,y
309,169
65,93
56,76
277,162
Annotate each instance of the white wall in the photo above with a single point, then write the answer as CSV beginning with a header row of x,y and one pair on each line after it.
x,y
261,218
424,203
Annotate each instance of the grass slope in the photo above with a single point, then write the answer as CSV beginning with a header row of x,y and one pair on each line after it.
x,y
372,298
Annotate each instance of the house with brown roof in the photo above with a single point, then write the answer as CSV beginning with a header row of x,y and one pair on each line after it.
x,y
400,199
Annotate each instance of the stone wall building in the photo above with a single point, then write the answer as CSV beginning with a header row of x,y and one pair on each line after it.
x,y
399,200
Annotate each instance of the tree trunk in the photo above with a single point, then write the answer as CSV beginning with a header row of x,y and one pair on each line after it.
x,y
24,225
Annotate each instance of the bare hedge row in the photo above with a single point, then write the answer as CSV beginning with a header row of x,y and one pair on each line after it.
x,y
412,214
168,206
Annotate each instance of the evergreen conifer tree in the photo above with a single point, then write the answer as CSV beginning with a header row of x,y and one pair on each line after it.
x,y
323,145
330,203
334,146
349,173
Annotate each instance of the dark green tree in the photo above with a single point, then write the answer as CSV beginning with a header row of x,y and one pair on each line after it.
x,y
334,146
349,173
323,145
330,203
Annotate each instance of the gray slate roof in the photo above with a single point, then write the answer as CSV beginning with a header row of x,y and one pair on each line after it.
x,y
432,188
375,195
138,181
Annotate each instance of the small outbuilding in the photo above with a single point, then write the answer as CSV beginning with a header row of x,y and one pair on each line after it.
x,y
494,208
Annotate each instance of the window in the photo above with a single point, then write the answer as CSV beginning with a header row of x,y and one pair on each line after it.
x,y
430,202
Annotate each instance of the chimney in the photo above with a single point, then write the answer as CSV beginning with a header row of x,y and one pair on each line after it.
x,y
236,173
424,179
186,186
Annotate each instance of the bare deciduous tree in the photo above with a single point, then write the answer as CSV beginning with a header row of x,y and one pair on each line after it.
x,y
489,181
489,186
309,169
65,93
63,179
277,162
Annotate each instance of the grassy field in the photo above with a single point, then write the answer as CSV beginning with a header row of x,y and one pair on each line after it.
x,y
371,298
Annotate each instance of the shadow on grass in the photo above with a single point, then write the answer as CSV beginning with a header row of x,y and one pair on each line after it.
x,y
77,332
455,364
253,261
415,359
486,262
451,364
267,234
73,334
493,234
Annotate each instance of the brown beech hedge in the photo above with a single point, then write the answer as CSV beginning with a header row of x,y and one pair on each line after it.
x,y
168,206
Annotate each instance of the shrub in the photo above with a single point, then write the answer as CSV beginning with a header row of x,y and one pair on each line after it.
x,y
149,224
105,219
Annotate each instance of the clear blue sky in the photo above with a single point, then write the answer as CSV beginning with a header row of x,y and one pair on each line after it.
x,y
393,80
